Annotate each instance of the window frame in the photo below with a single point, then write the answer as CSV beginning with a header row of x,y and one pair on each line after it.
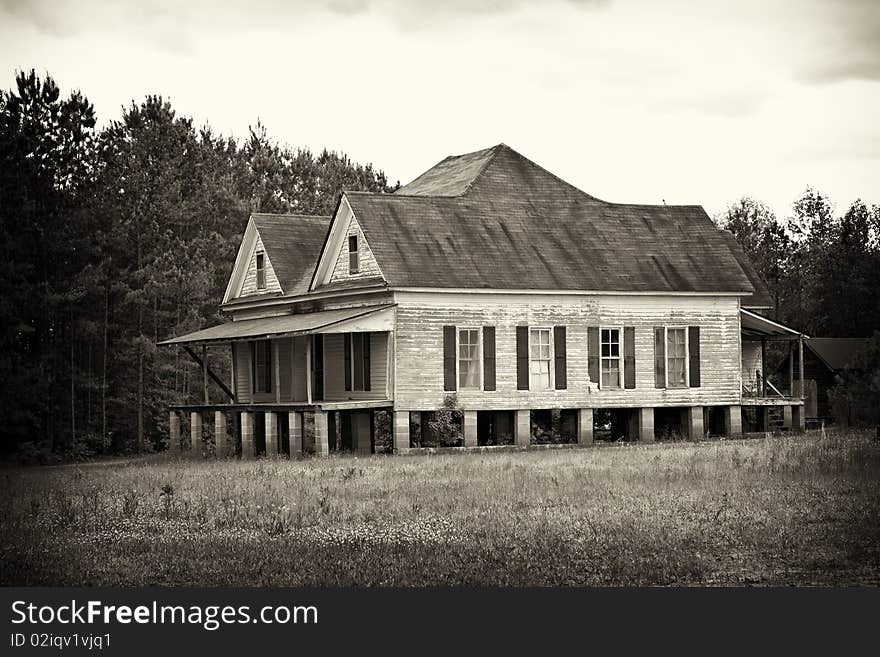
x,y
266,380
618,357
356,269
366,336
260,266
551,369
687,368
478,359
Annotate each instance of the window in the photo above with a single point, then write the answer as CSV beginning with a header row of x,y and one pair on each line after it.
x,y
261,365
357,361
354,264
610,354
468,358
676,358
261,271
539,355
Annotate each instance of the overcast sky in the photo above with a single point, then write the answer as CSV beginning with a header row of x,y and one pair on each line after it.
x,y
632,101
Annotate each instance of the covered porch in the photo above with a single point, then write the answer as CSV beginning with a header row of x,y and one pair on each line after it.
x,y
299,383
771,402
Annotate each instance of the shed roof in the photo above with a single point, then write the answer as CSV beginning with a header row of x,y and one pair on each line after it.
x,y
293,243
836,353
494,219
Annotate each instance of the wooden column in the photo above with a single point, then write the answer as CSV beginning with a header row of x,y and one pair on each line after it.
x,y
523,429
174,431
295,424
470,428
791,368
276,358
205,373
763,367
389,365
247,435
221,437
271,424
585,426
232,371
801,366
308,369
195,429
798,419
400,435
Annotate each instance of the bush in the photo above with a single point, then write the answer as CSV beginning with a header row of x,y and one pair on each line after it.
x,y
447,423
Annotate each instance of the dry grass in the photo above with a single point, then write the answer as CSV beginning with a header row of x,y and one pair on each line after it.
x,y
802,510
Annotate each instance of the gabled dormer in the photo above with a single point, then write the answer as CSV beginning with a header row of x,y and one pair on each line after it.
x,y
347,256
277,256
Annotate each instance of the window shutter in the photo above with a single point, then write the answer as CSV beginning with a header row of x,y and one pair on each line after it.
x,y
253,346
522,357
593,353
488,358
449,358
268,365
346,339
367,361
629,357
560,357
694,355
659,357
318,364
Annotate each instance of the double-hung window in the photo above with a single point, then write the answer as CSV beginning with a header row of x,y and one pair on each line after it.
x,y
468,358
610,354
676,358
354,264
539,356
261,271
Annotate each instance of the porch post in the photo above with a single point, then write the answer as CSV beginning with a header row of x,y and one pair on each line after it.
x,y
271,434
295,423
322,439
308,369
276,358
801,365
400,435
205,373
763,367
173,431
221,438
195,429
585,426
733,421
247,435
791,368
694,416
645,424
786,417
470,428
523,429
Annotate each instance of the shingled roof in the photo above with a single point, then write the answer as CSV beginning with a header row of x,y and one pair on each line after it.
x,y
494,219
293,243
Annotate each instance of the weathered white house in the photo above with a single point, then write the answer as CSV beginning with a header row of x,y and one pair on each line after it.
x,y
490,278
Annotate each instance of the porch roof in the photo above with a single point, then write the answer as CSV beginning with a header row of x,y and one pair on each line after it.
x,y
756,326
364,318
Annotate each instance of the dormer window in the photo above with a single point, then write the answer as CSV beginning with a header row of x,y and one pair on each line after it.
x,y
354,264
261,271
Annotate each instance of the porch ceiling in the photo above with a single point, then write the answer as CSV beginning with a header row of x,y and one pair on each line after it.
x,y
758,327
365,318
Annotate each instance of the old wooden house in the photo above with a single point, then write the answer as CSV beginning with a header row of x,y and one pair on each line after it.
x,y
490,279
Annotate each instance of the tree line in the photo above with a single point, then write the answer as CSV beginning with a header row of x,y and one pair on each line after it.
x,y
116,238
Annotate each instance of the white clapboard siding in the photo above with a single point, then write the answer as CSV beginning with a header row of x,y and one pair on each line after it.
x,y
419,357
249,284
334,368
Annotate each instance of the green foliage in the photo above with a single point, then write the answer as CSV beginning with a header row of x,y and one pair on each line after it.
x,y
857,390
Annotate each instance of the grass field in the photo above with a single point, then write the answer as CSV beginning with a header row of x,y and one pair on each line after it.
x,y
783,510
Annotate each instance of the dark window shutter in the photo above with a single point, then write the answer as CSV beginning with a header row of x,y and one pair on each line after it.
x,y
270,369
593,353
522,357
347,348
318,364
449,358
629,357
366,361
694,355
254,386
560,357
659,357
488,358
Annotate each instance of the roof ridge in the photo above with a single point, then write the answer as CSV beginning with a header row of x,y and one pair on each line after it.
x,y
494,153
289,215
